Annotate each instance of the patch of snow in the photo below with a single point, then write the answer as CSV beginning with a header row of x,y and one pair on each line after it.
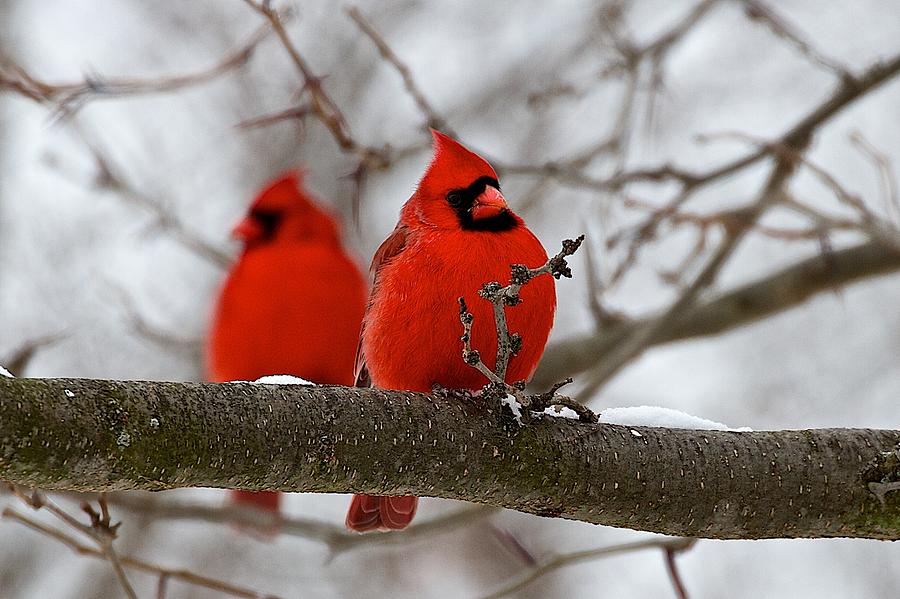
x,y
561,412
281,379
514,405
70,393
661,417
634,433
6,373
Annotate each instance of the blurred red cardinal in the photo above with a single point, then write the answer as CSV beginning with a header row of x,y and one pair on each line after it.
x,y
455,233
293,302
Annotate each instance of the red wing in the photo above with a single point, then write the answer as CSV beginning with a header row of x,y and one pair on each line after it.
x,y
389,248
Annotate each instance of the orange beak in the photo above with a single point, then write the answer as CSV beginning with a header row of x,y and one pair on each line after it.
x,y
248,229
489,204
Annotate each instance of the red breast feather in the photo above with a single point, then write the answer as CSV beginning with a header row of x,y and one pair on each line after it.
x,y
412,332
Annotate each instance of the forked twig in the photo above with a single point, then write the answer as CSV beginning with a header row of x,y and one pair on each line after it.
x,y
509,344
556,562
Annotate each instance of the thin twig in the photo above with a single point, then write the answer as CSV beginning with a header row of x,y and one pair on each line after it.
x,y
432,118
69,97
149,331
321,103
509,344
796,140
130,562
891,198
757,10
644,336
738,306
102,531
334,537
110,177
567,559
17,361
670,553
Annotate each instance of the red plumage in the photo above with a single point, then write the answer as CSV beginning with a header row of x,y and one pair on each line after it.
x,y
292,303
455,233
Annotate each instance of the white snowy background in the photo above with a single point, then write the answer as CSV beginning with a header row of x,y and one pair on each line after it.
x,y
69,250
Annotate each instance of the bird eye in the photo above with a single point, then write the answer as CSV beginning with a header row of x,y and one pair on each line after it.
x,y
454,198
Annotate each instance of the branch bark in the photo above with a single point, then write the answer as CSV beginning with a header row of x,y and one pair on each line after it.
x,y
93,435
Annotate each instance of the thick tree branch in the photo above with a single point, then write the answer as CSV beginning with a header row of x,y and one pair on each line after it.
x,y
91,435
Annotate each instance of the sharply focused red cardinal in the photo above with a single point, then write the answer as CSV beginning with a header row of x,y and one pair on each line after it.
x,y
293,302
455,233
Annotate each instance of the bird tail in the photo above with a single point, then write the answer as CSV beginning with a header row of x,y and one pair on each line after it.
x,y
263,500
371,512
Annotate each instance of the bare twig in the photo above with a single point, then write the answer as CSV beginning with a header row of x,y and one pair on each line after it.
x,y
298,113
110,177
105,533
890,196
69,97
757,10
739,306
101,530
509,344
797,136
17,362
334,537
794,141
130,562
630,62
643,337
151,332
567,559
512,543
432,118
671,552
320,102
869,222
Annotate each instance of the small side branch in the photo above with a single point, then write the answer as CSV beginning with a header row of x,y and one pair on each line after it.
x,y
162,572
432,118
567,559
69,97
509,344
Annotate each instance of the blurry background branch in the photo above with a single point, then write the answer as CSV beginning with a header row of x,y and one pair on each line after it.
x,y
743,305
141,435
335,537
669,546
38,501
67,98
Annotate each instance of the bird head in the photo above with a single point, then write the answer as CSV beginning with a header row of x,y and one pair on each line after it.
x,y
283,212
459,190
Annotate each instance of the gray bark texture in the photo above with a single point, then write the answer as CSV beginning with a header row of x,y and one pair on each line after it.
x,y
95,435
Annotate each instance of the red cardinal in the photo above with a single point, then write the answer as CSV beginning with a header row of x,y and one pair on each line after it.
x,y
455,233
293,302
